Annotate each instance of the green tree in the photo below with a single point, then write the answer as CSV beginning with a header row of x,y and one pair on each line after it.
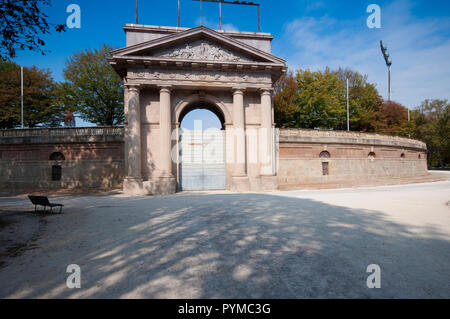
x,y
22,24
320,100
40,104
432,125
365,102
92,88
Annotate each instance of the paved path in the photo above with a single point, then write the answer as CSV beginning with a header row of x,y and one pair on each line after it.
x,y
298,244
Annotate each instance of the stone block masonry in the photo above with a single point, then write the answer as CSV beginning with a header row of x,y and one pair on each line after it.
x,y
61,158
93,158
319,157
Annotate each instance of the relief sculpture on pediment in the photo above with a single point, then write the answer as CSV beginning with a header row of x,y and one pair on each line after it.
x,y
202,50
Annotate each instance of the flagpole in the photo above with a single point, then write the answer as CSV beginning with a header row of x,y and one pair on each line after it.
x,y
348,109
21,95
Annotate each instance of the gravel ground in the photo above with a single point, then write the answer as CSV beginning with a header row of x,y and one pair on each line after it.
x,y
286,244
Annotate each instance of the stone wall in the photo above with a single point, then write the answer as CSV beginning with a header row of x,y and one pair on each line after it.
x,y
93,158
352,157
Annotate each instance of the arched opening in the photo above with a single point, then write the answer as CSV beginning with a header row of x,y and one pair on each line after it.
x,y
57,156
206,112
325,154
201,119
371,155
202,147
402,155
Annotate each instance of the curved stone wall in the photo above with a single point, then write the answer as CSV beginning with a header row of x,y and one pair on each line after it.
x,y
319,157
94,158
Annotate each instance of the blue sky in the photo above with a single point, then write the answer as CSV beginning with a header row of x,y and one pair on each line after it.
x,y
308,34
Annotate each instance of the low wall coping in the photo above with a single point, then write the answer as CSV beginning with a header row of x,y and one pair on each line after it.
x,y
343,137
94,134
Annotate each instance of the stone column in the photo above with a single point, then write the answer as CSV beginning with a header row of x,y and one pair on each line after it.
x,y
239,181
133,178
165,131
177,173
266,134
167,182
239,132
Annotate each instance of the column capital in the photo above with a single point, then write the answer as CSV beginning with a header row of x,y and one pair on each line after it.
x,y
238,90
266,91
165,88
132,87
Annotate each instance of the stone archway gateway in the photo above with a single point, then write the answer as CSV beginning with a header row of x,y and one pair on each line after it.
x,y
202,161
169,71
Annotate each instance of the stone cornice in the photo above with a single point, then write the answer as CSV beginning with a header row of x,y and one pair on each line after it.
x,y
130,61
62,135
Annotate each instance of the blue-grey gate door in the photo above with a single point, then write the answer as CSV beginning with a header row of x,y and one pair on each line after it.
x,y
202,160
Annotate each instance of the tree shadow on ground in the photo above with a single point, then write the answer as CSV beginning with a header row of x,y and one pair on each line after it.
x,y
229,246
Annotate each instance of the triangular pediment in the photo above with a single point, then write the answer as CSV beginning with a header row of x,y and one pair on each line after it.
x,y
198,44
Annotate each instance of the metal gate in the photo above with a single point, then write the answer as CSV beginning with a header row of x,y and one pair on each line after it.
x,y
202,160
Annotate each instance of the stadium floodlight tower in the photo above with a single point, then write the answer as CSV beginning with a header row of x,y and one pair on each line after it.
x,y
388,64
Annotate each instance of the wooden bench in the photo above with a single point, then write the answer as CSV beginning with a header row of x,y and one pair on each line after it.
x,y
43,201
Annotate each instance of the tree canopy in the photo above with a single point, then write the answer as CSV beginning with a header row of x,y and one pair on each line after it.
x,y
394,119
432,125
22,24
364,100
92,88
318,99
40,101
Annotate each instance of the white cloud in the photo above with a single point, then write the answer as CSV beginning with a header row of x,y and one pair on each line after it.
x,y
419,48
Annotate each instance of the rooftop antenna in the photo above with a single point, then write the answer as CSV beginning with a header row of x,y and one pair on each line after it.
x,y
178,13
247,3
136,11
